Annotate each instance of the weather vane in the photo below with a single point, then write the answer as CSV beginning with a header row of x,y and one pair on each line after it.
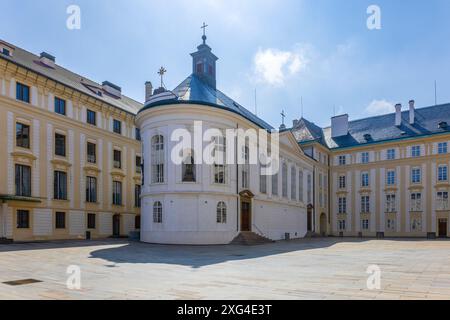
x,y
161,72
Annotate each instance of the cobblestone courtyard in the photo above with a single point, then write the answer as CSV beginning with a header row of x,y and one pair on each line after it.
x,y
304,269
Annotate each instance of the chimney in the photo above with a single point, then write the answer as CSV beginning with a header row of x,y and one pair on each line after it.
x,y
398,114
148,90
112,89
339,126
47,59
412,115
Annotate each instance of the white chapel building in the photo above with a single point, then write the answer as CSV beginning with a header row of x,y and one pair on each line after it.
x,y
203,204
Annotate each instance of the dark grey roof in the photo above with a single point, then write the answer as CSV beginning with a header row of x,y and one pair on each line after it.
x,y
32,62
194,90
382,128
306,131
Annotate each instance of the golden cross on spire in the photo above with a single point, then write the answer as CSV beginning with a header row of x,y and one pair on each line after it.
x,y
161,72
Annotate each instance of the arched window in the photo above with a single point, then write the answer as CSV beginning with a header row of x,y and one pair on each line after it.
x,y
158,159
221,212
293,183
245,167
220,160
157,212
285,180
188,166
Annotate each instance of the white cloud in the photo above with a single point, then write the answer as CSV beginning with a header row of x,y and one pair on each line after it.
x,y
379,107
273,66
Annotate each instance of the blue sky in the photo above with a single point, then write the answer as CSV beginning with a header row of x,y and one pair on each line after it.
x,y
320,50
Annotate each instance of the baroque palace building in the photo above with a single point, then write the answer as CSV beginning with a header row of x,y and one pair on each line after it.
x,y
74,165
71,154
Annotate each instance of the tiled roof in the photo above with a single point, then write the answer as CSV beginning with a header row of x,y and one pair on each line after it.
x,y
382,128
57,73
194,90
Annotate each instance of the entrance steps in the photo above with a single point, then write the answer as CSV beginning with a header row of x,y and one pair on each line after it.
x,y
250,239
311,234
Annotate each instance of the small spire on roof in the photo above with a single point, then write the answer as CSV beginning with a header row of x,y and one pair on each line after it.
x,y
204,26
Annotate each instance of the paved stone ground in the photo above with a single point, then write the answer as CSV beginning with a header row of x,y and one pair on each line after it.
x,y
304,269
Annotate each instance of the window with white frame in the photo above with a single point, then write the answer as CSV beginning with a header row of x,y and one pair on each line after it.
x,y
416,225
342,225
157,212
342,205
262,183
416,201
442,200
245,167
220,169
342,182
365,224
415,151
442,173
390,225
442,148
365,179
365,204
416,175
342,160
275,184
221,212
188,169
390,178
158,159
365,157
390,154
293,184
300,186
284,178
390,203
309,188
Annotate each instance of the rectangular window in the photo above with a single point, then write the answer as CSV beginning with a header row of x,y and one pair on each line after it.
x,y
416,175
91,117
91,152
341,225
390,178
365,157
60,220
117,193
91,217
391,154
365,224
6,52
23,219
442,173
263,184
60,185
117,126
22,92
117,157
22,135
443,148
91,189
415,151
390,225
60,145
137,133
309,189
293,184
300,186
157,159
442,200
220,149
342,160
342,205
342,182
365,204
365,179
138,164
23,181
416,202
275,184
137,196
390,203
60,106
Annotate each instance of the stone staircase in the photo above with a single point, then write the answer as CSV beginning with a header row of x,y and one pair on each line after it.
x,y
250,239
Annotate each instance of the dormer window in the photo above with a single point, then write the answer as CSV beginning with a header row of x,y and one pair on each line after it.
x,y
6,52
199,68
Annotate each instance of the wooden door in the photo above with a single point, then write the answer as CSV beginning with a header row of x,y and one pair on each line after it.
x,y
245,217
116,225
443,228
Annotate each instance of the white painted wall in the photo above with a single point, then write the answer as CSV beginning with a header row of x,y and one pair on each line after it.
x,y
42,222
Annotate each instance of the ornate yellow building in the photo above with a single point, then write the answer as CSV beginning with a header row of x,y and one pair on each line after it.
x,y
70,160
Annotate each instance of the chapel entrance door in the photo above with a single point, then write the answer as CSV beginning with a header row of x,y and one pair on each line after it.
x,y
246,216
116,226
